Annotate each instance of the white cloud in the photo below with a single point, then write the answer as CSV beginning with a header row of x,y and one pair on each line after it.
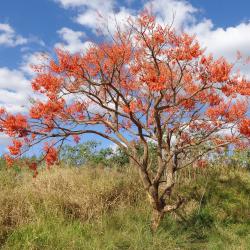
x,y
14,90
180,13
95,4
94,14
72,40
30,60
15,97
8,36
13,80
103,20
223,41
97,14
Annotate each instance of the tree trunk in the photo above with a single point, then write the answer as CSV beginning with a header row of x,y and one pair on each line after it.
x,y
156,219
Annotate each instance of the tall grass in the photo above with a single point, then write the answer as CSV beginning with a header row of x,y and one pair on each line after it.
x,y
93,208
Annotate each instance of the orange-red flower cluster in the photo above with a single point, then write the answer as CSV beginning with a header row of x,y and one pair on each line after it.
x,y
15,148
47,110
51,156
245,127
14,125
47,83
9,160
187,48
33,167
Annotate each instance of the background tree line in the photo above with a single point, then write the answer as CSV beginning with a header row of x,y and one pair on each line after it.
x,y
92,153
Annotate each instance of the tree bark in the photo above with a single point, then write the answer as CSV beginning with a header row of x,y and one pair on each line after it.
x,y
156,219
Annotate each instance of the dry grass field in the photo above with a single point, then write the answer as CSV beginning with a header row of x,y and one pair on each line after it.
x,y
97,208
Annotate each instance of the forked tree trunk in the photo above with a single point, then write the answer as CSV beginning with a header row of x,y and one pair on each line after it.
x,y
158,205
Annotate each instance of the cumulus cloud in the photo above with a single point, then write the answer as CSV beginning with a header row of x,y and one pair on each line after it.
x,y
31,59
14,90
97,14
178,13
95,4
95,17
223,41
8,36
111,12
73,40
13,80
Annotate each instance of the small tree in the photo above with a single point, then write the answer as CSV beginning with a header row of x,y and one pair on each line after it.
x,y
148,84
79,154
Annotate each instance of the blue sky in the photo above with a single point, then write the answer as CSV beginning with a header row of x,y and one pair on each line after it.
x,y
224,13
28,27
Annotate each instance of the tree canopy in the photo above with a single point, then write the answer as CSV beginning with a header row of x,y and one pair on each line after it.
x,y
147,83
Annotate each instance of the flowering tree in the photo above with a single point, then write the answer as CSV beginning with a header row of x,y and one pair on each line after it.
x,y
148,84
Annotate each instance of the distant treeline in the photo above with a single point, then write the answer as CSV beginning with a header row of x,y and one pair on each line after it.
x,y
92,153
